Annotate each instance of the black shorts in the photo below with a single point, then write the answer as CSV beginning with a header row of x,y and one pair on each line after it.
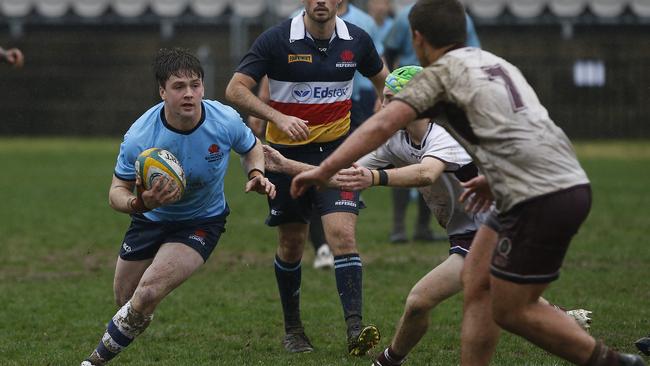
x,y
284,209
534,235
461,243
144,237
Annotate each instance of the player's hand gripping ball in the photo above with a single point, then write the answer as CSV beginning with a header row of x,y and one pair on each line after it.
x,y
155,163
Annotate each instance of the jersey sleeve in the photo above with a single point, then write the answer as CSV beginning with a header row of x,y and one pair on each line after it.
x,y
255,62
125,166
378,159
242,138
442,146
370,64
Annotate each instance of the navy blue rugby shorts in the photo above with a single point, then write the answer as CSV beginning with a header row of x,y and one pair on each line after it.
x,y
283,209
461,243
144,237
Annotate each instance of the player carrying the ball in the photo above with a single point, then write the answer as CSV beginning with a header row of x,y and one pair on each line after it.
x,y
172,235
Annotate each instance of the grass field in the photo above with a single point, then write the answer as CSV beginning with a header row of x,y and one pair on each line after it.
x,y
59,242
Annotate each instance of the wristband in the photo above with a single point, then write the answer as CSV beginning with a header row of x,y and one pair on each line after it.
x,y
383,177
372,176
137,205
254,170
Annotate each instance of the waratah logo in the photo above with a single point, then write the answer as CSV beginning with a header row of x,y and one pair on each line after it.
x,y
347,56
347,195
301,92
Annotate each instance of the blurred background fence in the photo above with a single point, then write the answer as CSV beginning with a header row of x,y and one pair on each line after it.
x,y
88,62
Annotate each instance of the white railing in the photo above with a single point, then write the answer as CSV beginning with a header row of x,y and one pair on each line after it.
x,y
282,8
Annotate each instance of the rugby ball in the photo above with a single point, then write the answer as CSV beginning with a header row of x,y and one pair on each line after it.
x,y
155,163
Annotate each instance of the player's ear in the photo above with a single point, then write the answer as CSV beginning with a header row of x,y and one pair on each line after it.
x,y
418,38
161,91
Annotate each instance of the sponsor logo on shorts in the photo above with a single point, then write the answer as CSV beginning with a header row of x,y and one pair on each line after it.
x,y
503,251
300,58
199,235
347,199
126,247
275,212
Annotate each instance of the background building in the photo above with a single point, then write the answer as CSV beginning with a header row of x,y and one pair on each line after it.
x,y
87,66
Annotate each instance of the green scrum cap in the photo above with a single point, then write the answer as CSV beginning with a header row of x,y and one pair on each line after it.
x,y
396,80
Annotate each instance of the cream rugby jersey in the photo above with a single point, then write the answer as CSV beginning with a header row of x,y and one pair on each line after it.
x,y
488,106
442,195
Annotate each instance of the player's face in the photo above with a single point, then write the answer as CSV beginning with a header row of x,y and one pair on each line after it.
x,y
378,7
182,95
388,96
321,11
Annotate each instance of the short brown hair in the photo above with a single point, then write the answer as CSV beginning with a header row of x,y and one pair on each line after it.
x,y
177,62
441,22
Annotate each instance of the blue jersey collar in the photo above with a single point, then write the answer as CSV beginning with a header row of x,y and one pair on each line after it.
x,y
171,128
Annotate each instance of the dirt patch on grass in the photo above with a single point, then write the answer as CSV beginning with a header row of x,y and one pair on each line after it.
x,y
635,149
57,265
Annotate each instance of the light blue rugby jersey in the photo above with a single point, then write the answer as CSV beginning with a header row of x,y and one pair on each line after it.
x,y
203,153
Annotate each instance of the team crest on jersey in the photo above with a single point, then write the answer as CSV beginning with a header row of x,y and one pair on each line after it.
x,y
347,59
300,58
347,199
214,153
301,92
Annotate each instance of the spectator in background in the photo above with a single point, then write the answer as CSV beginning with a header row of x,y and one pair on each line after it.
x,y
398,51
398,46
12,56
382,12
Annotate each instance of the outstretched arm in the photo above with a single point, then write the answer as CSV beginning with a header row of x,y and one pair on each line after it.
x,y
366,138
417,175
276,162
253,164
